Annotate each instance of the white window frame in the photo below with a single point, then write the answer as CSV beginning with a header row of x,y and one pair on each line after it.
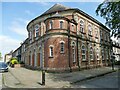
x,y
90,29
83,53
37,30
82,26
51,47
61,24
51,24
91,53
62,47
97,51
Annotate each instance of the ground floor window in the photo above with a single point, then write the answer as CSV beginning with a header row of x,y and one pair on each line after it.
x,y
83,52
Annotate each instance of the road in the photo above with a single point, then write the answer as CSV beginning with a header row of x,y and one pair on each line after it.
x,y
107,81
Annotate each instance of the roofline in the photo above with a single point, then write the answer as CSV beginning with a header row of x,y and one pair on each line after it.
x,y
77,10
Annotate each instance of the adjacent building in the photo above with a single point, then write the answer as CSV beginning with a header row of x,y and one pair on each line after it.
x,y
8,57
64,39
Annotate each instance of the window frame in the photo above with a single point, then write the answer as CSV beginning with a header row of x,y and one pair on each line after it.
x,y
73,52
37,30
91,52
51,24
61,24
90,30
83,50
51,51
62,46
82,26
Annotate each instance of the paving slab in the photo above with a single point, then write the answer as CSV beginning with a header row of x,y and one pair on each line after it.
x,y
25,78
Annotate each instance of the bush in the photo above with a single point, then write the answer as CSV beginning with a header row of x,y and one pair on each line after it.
x,y
21,62
117,63
13,61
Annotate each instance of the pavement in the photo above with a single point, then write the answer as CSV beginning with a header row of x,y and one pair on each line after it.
x,y
25,78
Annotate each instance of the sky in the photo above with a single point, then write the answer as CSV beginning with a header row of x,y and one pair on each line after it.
x,y
14,17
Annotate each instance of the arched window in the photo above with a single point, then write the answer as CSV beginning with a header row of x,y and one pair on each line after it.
x,y
83,52
72,27
97,51
91,53
89,29
102,53
51,25
73,52
36,30
62,47
81,26
51,50
61,24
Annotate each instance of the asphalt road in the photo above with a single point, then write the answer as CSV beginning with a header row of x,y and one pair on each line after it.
x,y
107,81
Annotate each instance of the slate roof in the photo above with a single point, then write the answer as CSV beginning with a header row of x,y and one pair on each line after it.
x,y
55,8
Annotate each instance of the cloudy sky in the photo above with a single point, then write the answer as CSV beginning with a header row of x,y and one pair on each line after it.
x,y
16,15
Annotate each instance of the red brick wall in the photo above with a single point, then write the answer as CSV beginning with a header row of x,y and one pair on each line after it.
x,y
59,60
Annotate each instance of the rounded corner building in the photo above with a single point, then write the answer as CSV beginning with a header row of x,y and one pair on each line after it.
x,y
66,39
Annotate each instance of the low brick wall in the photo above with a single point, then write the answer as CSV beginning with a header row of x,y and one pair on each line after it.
x,y
18,65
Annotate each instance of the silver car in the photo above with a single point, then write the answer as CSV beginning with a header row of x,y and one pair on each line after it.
x,y
3,67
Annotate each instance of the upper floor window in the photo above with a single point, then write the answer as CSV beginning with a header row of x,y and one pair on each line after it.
x,y
81,26
96,32
83,52
36,30
51,25
101,35
30,35
90,30
51,50
61,24
72,27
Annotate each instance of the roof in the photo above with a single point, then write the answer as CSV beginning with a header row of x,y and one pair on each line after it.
x,y
55,8
58,8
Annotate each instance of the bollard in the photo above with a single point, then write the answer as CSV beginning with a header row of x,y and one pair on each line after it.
x,y
43,77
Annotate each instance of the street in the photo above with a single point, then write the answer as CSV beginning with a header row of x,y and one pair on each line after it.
x,y
24,78
107,81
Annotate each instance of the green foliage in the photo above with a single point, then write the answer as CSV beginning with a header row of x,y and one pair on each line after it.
x,y
111,12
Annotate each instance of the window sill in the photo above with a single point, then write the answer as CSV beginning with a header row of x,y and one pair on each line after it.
x,y
61,52
90,35
50,56
74,62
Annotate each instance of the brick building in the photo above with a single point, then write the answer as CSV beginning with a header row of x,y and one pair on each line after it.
x,y
65,38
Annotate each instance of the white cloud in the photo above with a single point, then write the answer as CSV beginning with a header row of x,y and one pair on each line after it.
x,y
19,27
7,44
29,13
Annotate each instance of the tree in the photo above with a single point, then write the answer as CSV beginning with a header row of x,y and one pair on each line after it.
x,y
0,56
110,10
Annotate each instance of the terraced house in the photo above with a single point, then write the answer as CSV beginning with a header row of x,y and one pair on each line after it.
x,y
64,39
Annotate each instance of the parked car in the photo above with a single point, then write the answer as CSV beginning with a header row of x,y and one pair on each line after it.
x,y
3,67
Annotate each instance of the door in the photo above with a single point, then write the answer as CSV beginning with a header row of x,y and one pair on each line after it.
x,y
41,58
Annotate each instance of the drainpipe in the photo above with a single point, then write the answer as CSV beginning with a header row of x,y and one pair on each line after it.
x,y
77,55
77,50
69,46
